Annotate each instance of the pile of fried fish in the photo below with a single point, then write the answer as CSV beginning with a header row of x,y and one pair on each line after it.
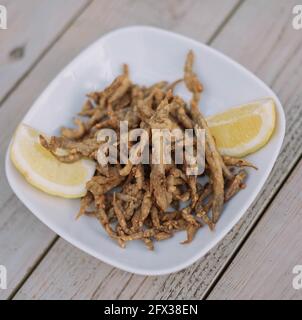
x,y
149,202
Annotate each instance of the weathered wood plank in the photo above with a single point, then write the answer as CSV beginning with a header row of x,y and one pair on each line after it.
x,y
33,26
99,18
263,267
259,36
238,39
274,21
23,238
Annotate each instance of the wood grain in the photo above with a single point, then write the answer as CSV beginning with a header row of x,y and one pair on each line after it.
x,y
33,26
101,16
259,36
21,45
263,267
271,49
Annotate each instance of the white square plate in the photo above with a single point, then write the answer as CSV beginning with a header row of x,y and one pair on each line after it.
x,y
152,55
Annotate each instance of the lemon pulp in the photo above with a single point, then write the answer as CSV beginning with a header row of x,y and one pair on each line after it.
x,y
44,171
245,129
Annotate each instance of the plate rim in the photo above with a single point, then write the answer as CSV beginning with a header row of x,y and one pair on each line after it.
x,y
223,232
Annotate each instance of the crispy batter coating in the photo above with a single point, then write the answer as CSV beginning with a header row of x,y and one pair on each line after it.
x,y
126,170
159,187
155,217
120,214
187,215
214,163
86,201
74,134
145,208
235,162
191,79
235,185
191,232
134,201
87,109
101,184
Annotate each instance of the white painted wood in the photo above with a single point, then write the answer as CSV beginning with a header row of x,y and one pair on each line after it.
x,y
32,241
33,25
263,267
259,36
254,19
22,237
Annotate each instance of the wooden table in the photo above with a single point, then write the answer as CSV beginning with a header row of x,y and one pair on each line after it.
x,y
256,259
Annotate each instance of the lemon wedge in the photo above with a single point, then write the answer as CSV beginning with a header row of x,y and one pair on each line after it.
x,y
245,129
42,170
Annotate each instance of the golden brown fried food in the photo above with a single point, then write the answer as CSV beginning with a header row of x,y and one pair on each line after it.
x,y
191,231
191,79
86,201
155,217
101,184
133,201
158,185
74,134
120,214
235,185
235,162
214,163
145,208
187,215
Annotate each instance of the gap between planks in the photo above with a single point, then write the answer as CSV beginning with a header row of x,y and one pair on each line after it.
x,y
262,208
225,21
212,38
31,41
44,253
263,269
250,231
290,113
43,52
